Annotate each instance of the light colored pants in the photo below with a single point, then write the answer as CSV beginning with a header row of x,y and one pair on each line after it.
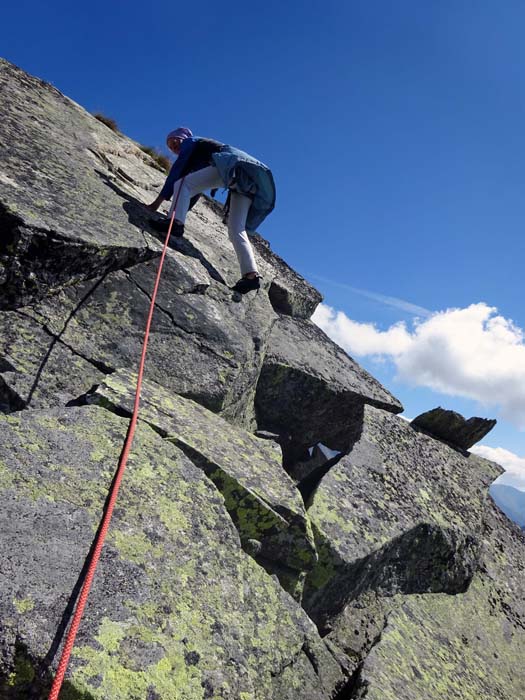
x,y
206,179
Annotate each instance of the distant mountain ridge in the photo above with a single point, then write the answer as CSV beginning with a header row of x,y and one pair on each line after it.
x,y
511,501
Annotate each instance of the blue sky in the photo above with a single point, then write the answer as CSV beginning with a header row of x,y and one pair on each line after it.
x,y
395,134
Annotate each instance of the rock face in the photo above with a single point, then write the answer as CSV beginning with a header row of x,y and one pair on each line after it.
x,y
260,497
236,567
453,428
179,607
311,390
400,513
467,646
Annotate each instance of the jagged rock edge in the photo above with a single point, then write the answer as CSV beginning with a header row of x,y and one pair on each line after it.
x,y
114,258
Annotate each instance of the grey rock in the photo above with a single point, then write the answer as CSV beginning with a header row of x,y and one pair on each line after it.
x,y
400,513
315,462
453,428
61,216
259,495
202,345
175,602
310,389
465,646
37,368
289,293
418,587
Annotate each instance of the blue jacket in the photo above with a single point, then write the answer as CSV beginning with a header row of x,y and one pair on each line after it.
x,y
242,173
195,154
239,172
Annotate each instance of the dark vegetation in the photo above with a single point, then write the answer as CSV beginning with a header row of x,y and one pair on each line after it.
x,y
162,162
111,123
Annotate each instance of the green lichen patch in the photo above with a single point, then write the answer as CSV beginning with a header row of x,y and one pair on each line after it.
x,y
177,608
45,372
442,646
394,483
259,495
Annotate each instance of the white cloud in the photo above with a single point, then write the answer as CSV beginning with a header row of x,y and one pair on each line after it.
x,y
514,466
472,352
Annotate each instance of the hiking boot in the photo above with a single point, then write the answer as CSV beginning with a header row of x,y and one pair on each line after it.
x,y
247,284
162,226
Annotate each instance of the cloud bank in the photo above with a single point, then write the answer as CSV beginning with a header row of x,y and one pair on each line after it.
x,y
473,352
514,466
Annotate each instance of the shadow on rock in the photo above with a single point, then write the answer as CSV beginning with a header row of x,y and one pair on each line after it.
x,y
140,216
28,680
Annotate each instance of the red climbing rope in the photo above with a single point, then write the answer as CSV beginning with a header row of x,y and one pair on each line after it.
x,y
101,536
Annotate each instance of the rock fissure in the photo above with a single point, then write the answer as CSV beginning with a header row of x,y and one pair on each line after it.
x,y
101,366
193,334
40,262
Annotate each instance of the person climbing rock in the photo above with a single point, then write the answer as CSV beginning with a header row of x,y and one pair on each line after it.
x,y
208,164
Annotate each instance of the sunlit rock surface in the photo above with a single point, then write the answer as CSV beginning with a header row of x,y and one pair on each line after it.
x,y
235,567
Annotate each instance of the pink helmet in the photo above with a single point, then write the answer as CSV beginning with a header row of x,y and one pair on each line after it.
x,y
181,133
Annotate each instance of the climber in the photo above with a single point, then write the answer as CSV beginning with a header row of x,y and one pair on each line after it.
x,y
205,163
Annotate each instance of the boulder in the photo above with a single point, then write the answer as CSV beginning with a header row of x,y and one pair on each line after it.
x,y
259,495
400,513
463,646
176,606
452,428
311,390
289,292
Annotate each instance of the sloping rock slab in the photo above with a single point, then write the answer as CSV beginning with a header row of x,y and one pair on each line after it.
x,y
37,369
312,390
464,646
60,219
202,345
289,293
453,428
400,513
176,610
259,495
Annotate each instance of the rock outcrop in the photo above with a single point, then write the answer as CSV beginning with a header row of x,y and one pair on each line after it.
x,y
260,497
451,427
310,390
236,567
177,609
400,513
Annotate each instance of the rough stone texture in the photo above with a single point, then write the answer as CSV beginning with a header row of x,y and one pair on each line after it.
x,y
52,192
453,428
400,513
259,495
289,293
419,588
314,463
177,609
38,369
203,344
467,646
311,389
60,168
